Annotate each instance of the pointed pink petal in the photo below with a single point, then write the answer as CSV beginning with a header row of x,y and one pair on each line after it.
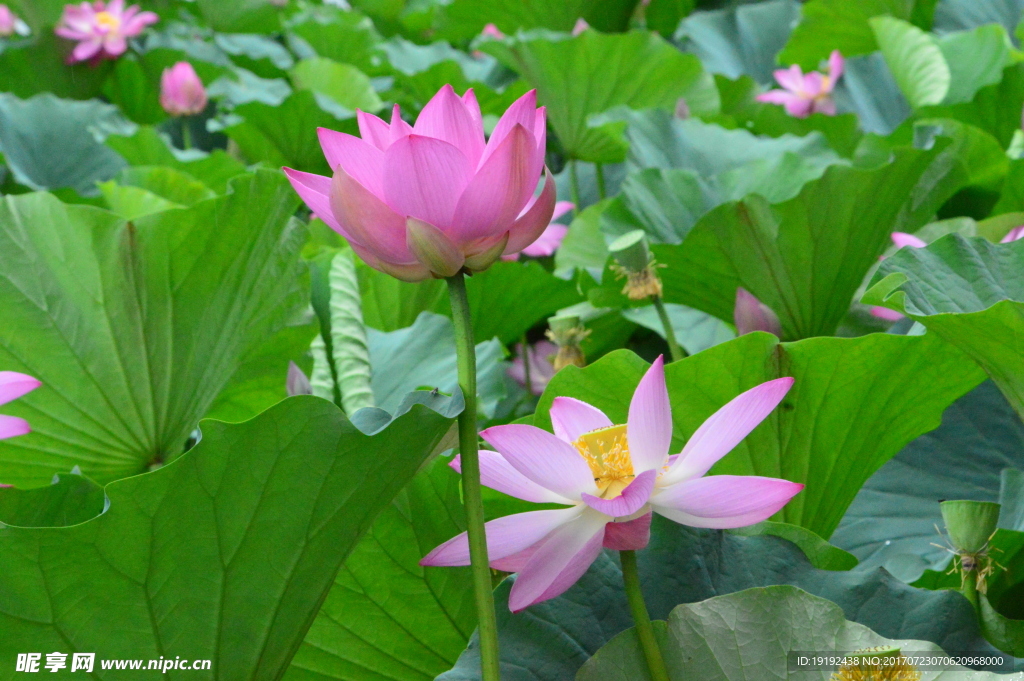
x,y
370,221
543,458
12,426
649,428
411,272
571,418
631,535
835,68
522,112
902,239
505,536
561,208
424,178
445,117
13,385
373,130
814,84
540,133
86,50
724,501
315,190
473,107
792,78
1013,235
498,474
534,220
115,45
717,436
630,501
548,242
886,314
399,128
499,190
559,561
360,159
136,24
750,314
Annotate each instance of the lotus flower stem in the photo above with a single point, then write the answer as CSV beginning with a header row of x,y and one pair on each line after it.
x,y
525,347
674,349
574,185
472,497
186,135
602,191
644,629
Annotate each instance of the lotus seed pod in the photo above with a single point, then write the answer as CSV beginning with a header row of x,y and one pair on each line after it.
x,y
970,523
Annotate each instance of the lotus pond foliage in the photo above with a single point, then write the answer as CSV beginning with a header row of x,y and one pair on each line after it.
x,y
511,340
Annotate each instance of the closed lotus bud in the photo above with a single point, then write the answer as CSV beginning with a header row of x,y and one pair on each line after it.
x,y
181,91
750,314
297,382
635,262
567,332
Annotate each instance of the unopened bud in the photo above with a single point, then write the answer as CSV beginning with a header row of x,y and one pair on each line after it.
x,y
635,262
750,314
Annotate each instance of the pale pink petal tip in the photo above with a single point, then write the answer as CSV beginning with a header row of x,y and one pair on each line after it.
x,y
902,239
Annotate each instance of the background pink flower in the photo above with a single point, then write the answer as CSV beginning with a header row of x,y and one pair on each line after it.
x,y
806,94
551,238
435,198
102,29
12,386
181,91
541,366
8,22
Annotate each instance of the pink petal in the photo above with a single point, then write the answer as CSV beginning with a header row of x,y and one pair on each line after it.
x,y
1014,234
369,220
543,458
13,385
717,436
835,67
498,474
115,45
902,239
360,159
814,85
373,130
559,561
446,117
796,105
649,428
505,536
571,418
561,208
499,190
825,106
522,112
548,242
399,128
724,501
792,78
632,499
411,272
534,220
86,50
315,190
750,314
886,314
12,426
630,535
800,108
473,107
136,24
424,178
540,133
541,367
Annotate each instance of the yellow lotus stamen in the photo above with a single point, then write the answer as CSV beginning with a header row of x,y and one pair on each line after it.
x,y
606,451
108,21
882,663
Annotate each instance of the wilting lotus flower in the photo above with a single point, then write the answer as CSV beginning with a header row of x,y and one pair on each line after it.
x,y
12,386
551,238
8,22
102,29
181,91
434,198
612,477
804,95
542,367
750,314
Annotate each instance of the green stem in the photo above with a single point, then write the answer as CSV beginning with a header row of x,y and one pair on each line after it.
x,y
674,349
525,356
574,186
644,628
186,134
970,589
472,498
601,190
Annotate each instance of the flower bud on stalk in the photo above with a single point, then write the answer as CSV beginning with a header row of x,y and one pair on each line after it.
x,y
567,333
970,525
181,91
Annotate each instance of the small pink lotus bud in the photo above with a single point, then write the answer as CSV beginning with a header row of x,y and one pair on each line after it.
x,y
492,31
750,314
580,27
7,21
181,91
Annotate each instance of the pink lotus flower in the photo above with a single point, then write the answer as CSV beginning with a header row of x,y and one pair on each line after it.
x,y
541,366
750,314
8,22
102,29
12,386
181,91
551,238
434,199
612,477
803,95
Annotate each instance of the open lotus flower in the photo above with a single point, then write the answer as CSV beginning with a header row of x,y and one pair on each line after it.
x,y
806,94
542,367
750,314
102,29
12,386
435,198
181,91
551,238
612,477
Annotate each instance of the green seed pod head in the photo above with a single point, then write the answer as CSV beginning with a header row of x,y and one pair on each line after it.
x,y
631,251
970,523
562,325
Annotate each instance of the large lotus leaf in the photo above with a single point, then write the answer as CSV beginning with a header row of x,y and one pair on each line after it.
x,y
747,636
695,330
741,40
550,641
68,500
845,387
915,60
343,84
39,64
120,334
390,304
147,148
423,356
829,25
976,59
463,19
265,512
387,618
805,257
579,76
957,15
240,16
869,89
344,36
892,521
261,54
50,143
994,108
971,293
